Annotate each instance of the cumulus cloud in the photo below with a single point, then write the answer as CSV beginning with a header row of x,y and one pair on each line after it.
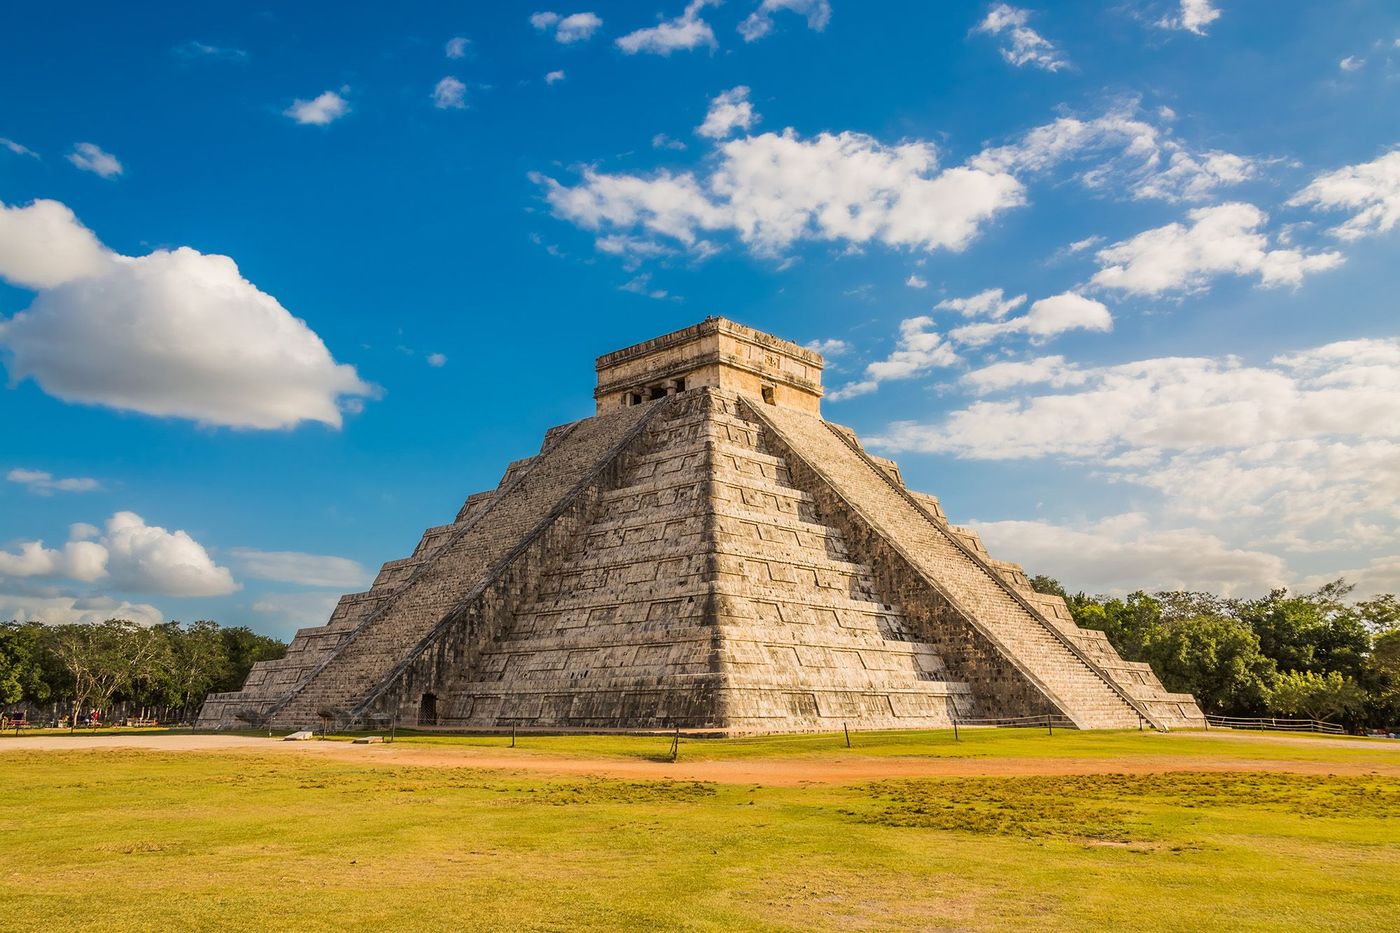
x,y
437,360
325,108
456,47
1024,46
919,349
828,347
916,281
173,333
450,94
729,111
1128,552
1192,16
576,27
772,190
1047,318
80,610
1177,403
44,245
759,23
130,554
44,483
1124,150
991,303
1221,240
305,569
91,158
662,141
687,31
1295,455
554,77
149,559
1370,189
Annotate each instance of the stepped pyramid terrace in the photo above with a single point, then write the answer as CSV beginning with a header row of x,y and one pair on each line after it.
x,y
705,552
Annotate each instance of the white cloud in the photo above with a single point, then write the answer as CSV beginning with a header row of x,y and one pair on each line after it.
x,y
135,556
305,569
1025,45
1047,370
919,349
916,281
1221,240
1294,455
1046,318
1127,151
641,285
83,610
1351,63
828,347
456,47
450,94
1193,16
173,333
686,31
1371,189
662,141
149,559
729,111
44,483
576,27
759,23
991,303
43,245
77,560
90,158
773,190
17,149
554,77
1179,403
437,360
320,110
1127,552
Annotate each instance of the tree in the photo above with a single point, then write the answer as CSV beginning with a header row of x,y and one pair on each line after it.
x,y
1214,657
1125,621
1316,631
245,648
21,668
1316,696
1048,585
199,659
104,658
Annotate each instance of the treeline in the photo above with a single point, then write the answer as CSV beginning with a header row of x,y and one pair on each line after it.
x,y
162,671
1314,655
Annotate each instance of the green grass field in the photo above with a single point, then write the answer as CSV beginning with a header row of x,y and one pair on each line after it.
x,y
123,839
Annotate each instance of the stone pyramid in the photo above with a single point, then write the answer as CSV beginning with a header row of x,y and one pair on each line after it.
x,y
706,553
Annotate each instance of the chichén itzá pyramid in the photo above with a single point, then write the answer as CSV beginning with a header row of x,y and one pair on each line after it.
x,y
707,553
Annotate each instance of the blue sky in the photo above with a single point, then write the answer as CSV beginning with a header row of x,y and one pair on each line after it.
x,y
435,217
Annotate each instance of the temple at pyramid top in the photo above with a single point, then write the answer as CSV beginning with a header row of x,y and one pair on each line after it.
x,y
716,353
705,552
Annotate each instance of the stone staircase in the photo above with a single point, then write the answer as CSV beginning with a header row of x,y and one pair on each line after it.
x,y
1075,685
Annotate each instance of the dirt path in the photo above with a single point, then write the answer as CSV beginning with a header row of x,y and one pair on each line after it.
x,y
827,769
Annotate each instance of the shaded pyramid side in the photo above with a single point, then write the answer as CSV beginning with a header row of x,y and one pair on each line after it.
x,y
332,668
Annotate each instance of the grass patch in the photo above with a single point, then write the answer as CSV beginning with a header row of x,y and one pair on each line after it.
x,y
116,840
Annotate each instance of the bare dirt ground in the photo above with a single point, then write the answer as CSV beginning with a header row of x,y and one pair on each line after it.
x,y
833,769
